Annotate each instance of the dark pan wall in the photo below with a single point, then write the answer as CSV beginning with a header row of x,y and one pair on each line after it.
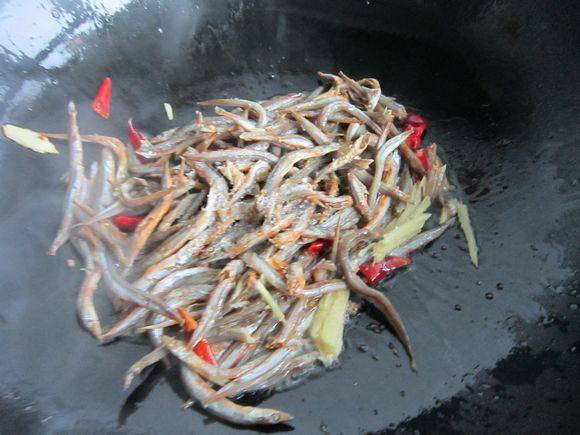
x,y
498,80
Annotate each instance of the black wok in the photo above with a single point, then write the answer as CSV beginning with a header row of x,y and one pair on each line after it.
x,y
496,347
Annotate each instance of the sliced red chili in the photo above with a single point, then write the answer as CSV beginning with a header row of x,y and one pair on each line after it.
x,y
417,124
414,140
125,223
416,121
318,246
203,350
376,272
102,102
422,154
189,323
135,137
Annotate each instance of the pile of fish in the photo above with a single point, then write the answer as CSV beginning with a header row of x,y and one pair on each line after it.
x,y
237,241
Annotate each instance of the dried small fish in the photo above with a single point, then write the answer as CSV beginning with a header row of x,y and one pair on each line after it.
x,y
226,409
259,111
381,154
86,310
347,153
359,194
75,180
231,155
282,168
227,266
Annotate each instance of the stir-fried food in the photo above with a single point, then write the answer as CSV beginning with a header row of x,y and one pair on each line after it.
x,y
237,241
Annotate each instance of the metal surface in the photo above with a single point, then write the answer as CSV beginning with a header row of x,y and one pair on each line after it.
x,y
496,347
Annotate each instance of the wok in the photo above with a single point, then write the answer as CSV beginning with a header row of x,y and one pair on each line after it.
x,y
496,347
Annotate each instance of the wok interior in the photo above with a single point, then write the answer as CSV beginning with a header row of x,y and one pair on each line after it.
x,y
457,65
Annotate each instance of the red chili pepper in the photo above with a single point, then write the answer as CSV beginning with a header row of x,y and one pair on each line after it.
x,y
135,137
414,140
318,246
376,272
416,121
125,223
417,124
422,154
189,323
203,350
102,102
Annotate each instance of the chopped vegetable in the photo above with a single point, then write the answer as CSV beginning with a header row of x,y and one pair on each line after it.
x,y
416,205
416,121
414,140
203,350
267,296
417,124
135,137
29,139
399,235
465,222
376,272
318,246
407,225
448,211
189,323
125,223
102,102
443,217
168,111
328,325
